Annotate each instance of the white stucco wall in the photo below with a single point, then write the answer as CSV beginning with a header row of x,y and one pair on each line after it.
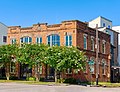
x,y
100,20
3,32
107,22
93,23
108,31
117,28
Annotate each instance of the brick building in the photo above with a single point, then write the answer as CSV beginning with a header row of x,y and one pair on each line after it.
x,y
67,33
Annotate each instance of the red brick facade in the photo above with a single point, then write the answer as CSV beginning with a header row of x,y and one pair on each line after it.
x,y
77,30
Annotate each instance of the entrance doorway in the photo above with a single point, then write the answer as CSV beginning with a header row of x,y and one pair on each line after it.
x,y
2,72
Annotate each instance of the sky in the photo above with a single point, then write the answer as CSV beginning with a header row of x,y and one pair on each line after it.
x,y
28,12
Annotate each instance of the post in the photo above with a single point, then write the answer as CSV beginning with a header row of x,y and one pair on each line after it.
x,y
97,55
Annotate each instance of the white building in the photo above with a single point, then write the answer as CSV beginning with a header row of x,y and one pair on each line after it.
x,y
3,34
117,28
101,22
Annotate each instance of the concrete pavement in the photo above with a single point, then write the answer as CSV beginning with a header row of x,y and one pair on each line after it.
x,y
16,87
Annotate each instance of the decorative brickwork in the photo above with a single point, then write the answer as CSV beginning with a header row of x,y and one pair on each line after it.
x,y
75,28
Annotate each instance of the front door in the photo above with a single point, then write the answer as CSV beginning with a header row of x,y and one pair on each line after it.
x,y
2,72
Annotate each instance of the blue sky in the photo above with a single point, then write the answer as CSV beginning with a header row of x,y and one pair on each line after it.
x,y
28,12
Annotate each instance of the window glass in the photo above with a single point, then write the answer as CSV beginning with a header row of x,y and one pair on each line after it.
x,y
92,44
68,40
53,40
13,41
39,40
26,39
103,24
85,42
4,38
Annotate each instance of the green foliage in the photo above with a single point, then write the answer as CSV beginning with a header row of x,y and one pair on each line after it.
x,y
13,78
71,81
31,54
62,58
31,79
7,52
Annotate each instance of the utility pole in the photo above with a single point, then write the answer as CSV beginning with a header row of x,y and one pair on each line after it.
x,y
97,54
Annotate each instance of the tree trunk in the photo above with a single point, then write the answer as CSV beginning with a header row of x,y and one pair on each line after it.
x,y
7,71
46,72
36,73
8,76
55,75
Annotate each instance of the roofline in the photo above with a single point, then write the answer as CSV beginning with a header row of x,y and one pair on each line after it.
x,y
105,18
3,24
108,29
101,17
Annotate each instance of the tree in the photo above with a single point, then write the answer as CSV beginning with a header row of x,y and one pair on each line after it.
x,y
33,55
62,58
7,54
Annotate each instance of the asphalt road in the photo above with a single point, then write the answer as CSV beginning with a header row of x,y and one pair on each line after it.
x,y
15,87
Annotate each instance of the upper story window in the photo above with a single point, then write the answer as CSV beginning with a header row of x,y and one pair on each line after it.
x,y
53,40
92,43
26,39
68,40
85,41
98,45
4,38
109,26
103,47
103,66
13,41
39,40
104,25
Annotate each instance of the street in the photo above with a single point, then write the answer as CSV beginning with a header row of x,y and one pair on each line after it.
x,y
16,87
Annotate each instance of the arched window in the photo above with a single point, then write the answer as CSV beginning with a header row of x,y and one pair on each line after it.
x,y
39,40
26,39
13,41
92,43
103,47
68,40
92,69
85,41
53,40
103,66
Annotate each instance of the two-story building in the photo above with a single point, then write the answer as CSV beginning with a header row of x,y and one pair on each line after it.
x,y
67,33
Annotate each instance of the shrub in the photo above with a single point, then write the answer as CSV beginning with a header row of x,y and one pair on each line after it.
x,y
31,79
13,78
71,81
61,80
42,79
